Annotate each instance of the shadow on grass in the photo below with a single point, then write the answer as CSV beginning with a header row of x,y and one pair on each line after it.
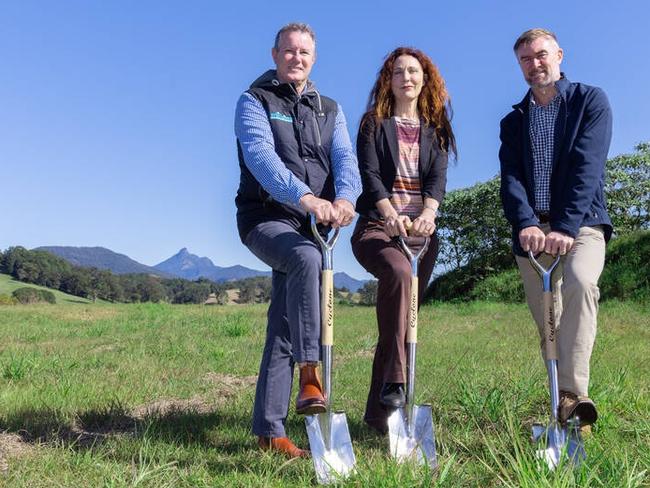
x,y
219,441
83,430
222,437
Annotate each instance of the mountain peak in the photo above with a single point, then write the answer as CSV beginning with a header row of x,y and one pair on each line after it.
x,y
191,267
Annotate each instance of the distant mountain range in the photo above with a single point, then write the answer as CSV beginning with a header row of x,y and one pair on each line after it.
x,y
192,267
183,264
102,258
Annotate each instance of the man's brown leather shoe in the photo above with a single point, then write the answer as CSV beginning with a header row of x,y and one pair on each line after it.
x,y
582,407
282,445
310,398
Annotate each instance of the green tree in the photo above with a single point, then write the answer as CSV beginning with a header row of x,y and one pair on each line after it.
x,y
627,189
368,293
471,225
247,292
76,282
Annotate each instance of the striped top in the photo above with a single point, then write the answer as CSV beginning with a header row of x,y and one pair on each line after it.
x,y
407,194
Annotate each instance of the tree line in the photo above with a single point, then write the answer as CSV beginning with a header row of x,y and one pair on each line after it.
x,y
45,269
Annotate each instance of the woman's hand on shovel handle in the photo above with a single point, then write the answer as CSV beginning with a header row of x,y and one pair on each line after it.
x,y
425,224
397,226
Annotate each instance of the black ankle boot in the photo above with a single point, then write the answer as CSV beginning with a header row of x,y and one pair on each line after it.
x,y
392,395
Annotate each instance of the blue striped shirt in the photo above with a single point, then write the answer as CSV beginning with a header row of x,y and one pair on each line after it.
x,y
253,130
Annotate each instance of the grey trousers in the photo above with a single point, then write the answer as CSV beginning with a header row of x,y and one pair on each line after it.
x,y
575,296
293,328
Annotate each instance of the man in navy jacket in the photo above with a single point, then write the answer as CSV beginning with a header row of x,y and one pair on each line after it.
x,y
554,146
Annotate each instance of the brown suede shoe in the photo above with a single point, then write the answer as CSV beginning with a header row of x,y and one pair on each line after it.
x,y
282,445
310,398
581,407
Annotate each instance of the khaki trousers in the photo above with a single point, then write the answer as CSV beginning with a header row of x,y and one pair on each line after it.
x,y
575,295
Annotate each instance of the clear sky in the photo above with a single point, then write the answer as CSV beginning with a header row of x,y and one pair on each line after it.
x,y
116,117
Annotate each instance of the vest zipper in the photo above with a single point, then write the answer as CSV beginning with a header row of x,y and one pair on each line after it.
x,y
320,112
318,139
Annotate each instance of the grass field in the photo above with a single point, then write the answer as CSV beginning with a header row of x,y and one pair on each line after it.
x,y
159,395
8,285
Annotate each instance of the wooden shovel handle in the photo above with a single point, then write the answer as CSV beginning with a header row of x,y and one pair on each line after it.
x,y
327,308
550,331
412,327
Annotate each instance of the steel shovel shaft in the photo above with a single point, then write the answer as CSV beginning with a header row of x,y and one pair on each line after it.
x,y
555,439
410,429
329,436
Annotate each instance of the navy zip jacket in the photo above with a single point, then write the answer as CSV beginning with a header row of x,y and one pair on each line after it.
x,y
583,131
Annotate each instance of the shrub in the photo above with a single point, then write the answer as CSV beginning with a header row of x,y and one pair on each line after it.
x,y
502,287
27,295
7,300
457,284
627,268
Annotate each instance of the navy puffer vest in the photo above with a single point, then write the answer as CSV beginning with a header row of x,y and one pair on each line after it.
x,y
302,126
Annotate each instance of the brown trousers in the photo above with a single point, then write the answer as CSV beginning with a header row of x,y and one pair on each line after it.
x,y
575,296
381,256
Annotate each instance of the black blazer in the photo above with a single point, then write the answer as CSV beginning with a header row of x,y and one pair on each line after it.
x,y
378,155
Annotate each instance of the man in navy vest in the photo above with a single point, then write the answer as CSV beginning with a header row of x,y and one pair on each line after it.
x,y
295,158
553,152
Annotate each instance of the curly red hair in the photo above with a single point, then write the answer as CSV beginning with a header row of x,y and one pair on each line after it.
x,y
434,104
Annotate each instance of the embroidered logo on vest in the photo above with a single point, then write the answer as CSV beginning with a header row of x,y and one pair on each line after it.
x,y
281,116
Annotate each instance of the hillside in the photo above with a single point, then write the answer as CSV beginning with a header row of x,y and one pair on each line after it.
x,y
101,258
8,285
344,280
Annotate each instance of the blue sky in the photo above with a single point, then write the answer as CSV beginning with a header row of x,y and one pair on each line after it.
x,y
116,118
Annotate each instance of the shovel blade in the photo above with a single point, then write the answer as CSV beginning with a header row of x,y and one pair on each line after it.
x,y
417,443
555,442
331,446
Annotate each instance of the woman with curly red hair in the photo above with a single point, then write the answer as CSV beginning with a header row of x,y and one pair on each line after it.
x,y
403,145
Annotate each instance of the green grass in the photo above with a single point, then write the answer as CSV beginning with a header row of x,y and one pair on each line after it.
x,y
160,395
8,285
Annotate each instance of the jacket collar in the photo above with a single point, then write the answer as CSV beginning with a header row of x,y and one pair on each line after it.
x,y
269,80
562,85
390,130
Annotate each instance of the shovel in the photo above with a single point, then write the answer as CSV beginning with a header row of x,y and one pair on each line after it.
x,y
410,429
329,437
554,439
